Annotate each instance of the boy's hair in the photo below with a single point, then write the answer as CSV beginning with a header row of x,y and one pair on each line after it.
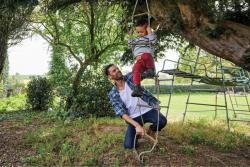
x,y
106,69
141,22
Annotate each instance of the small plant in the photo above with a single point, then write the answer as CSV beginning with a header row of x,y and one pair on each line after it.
x,y
188,150
39,93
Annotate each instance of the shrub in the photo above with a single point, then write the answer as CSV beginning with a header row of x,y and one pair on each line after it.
x,y
39,93
93,96
13,103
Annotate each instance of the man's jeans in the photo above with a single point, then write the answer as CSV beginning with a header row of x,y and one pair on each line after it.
x,y
149,117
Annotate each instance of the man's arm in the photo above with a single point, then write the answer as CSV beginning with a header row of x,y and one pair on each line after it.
x,y
116,103
139,129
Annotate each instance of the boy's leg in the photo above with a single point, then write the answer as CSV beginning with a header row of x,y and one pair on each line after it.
x,y
149,66
130,135
149,61
138,68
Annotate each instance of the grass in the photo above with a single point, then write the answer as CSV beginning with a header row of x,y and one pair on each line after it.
x,y
79,142
91,142
178,104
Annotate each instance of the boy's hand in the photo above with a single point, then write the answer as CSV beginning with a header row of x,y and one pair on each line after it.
x,y
138,58
149,30
130,32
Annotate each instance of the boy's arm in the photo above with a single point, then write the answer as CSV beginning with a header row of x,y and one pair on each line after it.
x,y
130,40
149,30
151,35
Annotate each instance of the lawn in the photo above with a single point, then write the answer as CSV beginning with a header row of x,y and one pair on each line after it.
x,y
51,139
178,104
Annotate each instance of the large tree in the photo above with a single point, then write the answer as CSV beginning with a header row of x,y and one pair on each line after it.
x,y
220,27
13,24
89,33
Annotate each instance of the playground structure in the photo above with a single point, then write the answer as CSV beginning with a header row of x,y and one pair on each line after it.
x,y
225,80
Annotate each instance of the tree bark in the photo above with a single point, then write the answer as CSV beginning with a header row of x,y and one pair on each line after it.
x,y
3,51
233,44
75,85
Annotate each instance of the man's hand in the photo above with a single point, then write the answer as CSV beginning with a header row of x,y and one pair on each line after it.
x,y
140,130
157,106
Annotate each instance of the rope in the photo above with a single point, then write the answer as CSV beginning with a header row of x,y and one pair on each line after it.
x,y
133,14
140,155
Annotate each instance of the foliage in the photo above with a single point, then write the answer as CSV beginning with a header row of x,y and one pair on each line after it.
x,y
234,10
93,96
95,31
84,35
39,93
14,103
14,24
60,74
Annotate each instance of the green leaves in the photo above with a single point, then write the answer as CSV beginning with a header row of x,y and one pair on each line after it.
x,y
93,96
39,93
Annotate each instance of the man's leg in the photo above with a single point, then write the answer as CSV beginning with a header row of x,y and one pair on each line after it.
x,y
152,117
130,134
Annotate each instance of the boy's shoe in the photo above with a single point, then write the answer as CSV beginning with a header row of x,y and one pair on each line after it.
x,y
150,73
137,91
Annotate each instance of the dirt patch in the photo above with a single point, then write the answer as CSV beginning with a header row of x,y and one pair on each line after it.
x,y
170,153
110,128
11,149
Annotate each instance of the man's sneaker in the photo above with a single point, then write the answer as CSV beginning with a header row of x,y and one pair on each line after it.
x,y
137,91
150,73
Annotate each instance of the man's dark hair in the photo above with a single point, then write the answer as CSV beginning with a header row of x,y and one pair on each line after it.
x,y
141,22
106,69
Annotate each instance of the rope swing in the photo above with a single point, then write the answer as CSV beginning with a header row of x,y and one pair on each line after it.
x,y
140,156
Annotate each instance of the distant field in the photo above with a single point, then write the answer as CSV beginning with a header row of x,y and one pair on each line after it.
x,y
178,103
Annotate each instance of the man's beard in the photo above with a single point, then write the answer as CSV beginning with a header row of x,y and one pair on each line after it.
x,y
119,77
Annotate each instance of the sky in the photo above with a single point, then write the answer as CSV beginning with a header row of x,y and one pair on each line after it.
x,y
32,57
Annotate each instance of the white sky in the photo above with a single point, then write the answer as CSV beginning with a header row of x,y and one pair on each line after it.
x,y
32,57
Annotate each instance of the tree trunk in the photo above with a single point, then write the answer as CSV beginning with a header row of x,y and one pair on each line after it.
x,y
233,44
75,86
3,52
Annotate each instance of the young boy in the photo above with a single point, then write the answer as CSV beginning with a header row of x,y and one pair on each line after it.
x,y
143,50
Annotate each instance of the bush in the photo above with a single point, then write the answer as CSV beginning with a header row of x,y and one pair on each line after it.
x,y
13,103
39,93
93,96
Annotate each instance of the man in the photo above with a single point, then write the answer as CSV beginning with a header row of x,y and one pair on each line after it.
x,y
126,107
